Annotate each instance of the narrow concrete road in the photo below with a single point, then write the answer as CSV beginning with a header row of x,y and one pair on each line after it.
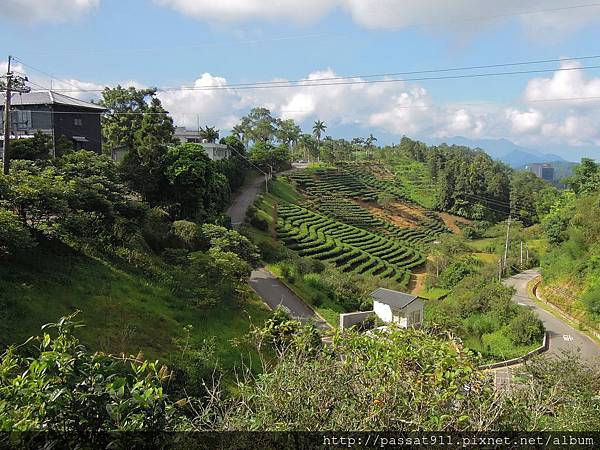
x,y
562,335
272,291
241,203
275,293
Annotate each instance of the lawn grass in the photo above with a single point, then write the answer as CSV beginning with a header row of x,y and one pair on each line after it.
x,y
434,293
123,312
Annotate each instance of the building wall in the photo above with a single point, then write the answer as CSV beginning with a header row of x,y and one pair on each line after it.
x,y
90,127
416,305
349,319
401,316
64,123
383,311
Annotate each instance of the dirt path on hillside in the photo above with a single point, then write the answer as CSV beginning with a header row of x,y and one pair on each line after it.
x,y
416,285
452,222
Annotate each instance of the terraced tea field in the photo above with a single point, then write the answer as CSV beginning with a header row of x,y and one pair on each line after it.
x,y
350,248
332,226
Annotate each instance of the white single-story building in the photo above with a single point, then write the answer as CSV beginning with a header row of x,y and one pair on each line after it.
x,y
397,307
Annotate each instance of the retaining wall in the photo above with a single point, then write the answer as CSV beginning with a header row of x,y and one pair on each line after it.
x,y
349,319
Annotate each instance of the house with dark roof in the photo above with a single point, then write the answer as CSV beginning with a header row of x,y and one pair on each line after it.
x,y
406,310
57,115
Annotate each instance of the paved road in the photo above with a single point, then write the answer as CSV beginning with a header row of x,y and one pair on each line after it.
x,y
562,335
241,203
267,286
275,293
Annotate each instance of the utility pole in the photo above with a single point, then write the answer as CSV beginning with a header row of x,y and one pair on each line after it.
x,y
527,253
7,98
16,84
500,269
506,244
521,253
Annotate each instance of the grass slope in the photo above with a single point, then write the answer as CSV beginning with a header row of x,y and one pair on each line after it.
x,y
122,311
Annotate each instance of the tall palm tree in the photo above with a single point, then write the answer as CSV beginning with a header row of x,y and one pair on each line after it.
x,y
238,131
210,134
318,128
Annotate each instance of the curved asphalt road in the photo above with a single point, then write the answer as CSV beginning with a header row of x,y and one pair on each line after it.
x,y
562,335
268,286
243,201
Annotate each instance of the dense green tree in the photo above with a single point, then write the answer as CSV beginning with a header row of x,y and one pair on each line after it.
x,y
236,167
586,178
135,117
198,191
259,125
530,197
37,147
14,237
230,241
265,156
287,132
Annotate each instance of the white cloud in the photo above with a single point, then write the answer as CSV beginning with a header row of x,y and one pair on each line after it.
x,y
45,10
393,108
236,10
524,122
191,108
542,18
562,85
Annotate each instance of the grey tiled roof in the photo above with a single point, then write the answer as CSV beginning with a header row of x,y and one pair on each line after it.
x,y
49,98
393,298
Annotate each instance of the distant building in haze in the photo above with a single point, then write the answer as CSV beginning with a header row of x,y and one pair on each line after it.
x,y
543,171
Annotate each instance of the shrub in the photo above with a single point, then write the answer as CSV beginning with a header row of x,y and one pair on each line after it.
x,y
187,233
14,237
62,387
525,328
230,241
315,281
272,251
259,223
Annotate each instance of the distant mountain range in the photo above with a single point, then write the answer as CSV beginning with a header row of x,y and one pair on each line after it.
x,y
502,149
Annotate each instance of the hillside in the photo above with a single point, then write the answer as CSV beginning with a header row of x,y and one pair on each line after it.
x,y
123,310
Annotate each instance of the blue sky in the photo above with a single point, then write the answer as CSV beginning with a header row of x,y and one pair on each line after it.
x,y
92,43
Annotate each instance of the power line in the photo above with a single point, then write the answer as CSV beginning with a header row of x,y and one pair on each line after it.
x,y
352,82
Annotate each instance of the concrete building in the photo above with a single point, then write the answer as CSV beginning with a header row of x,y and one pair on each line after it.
x,y
216,152
57,115
397,307
543,171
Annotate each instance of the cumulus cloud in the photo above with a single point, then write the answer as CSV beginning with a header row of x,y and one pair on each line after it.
x,y
395,108
191,108
236,10
46,10
540,17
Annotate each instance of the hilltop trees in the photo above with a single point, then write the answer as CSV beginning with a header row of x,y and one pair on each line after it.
x,y
134,114
196,189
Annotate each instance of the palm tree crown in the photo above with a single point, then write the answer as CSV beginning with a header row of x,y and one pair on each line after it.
x,y
318,128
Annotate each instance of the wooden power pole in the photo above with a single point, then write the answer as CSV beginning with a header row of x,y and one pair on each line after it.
x,y
506,244
12,84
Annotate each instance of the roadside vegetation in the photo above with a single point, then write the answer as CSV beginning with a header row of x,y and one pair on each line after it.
x,y
169,335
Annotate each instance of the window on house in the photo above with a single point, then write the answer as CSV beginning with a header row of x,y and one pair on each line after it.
x,y
78,122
